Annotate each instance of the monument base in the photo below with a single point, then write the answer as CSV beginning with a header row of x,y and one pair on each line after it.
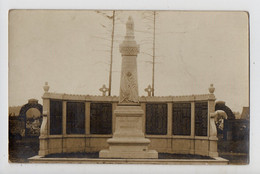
x,y
128,140
151,154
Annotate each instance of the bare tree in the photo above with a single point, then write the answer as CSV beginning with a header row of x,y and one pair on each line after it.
x,y
151,18
111,47
154,13
111,54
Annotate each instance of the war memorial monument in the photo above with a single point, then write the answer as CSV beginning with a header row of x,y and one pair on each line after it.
x,y
129,128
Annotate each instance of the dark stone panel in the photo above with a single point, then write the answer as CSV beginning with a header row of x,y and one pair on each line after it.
x,y
156,119
181,118
101,118
75,119
201,118
55,117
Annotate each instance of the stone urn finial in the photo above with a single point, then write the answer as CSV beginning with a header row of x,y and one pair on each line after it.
x,y
46,87
211,89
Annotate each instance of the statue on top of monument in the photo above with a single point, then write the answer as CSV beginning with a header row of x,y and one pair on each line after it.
x,y
130,27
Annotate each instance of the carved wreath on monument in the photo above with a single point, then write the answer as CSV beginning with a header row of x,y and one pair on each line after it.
x,y
129,87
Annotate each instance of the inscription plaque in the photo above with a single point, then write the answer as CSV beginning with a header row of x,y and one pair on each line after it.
x,y
55,117
181,121
75,118
201,118
156,119
100,118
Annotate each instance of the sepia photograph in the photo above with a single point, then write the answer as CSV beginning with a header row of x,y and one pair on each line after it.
x,y
160,87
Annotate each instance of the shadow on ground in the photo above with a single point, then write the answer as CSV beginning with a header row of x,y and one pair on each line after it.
x,y
236,151
22,149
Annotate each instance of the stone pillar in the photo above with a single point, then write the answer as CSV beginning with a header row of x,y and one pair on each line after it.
x,y
213,145
169,119
113,117
192,119
129,50
169,127
192,133
64,125
212,131
43,149
64,117
87,126
128,139
143,106
45,127
87,118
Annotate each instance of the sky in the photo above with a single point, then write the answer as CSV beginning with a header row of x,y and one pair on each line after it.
x,y
70,49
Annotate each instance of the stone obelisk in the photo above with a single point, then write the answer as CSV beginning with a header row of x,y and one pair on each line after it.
x,y
128,139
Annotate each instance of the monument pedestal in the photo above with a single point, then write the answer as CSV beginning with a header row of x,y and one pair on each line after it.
x,y
128,140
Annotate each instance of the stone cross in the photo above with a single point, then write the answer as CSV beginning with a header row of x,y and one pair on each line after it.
x,y
149,90
104,89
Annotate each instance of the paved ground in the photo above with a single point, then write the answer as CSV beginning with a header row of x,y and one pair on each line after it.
x,y
21,150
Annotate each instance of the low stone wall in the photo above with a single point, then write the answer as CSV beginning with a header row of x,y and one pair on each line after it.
x,y
168,143
162,144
